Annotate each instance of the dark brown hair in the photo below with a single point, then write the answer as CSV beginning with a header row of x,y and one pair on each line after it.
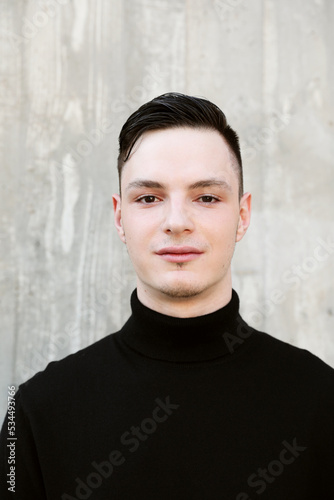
x,y
174,110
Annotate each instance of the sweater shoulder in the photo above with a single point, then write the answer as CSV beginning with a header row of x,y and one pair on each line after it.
x,y
294,360
71,372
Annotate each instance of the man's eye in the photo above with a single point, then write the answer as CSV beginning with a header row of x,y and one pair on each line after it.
x,y
147,199
208,199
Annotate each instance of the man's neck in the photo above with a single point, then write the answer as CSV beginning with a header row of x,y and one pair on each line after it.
x,y
200,304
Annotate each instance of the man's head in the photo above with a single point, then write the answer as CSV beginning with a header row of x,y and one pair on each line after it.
x,y
181,208
173,110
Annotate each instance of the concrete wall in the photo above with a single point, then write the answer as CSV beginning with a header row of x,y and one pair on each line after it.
x,y
72,71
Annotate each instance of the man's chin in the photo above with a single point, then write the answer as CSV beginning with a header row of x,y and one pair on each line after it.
x,y
181,290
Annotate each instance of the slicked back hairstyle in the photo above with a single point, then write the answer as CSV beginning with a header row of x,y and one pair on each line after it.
x,y
174,110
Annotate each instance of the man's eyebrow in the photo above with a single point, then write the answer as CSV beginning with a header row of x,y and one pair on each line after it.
x,y
146,183
211,182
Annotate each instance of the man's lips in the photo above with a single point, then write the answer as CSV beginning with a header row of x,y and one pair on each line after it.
x,y
179,254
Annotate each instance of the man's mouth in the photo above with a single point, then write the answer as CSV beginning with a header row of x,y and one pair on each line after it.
x,y
179,254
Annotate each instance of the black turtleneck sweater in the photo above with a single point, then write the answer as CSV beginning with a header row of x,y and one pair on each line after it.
x,y
168,408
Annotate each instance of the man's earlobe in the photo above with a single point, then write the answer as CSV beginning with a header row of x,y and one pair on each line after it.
x,y
118,216
122,230
244,216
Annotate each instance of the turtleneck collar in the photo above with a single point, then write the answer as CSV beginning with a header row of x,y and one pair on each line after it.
x,y
197,339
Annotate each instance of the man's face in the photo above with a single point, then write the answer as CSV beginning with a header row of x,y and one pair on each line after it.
x,y
180,216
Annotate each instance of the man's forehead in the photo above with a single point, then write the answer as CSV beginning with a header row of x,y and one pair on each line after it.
x,y
181,137
184,156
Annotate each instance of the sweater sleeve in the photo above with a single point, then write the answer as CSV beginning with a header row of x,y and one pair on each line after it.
x,y
20,470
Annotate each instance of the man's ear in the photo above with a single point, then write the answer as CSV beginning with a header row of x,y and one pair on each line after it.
x,y
116,199
244,215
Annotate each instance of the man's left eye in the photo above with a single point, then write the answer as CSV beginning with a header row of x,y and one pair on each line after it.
x,y
208,199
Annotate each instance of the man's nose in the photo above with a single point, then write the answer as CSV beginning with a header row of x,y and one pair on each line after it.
x,y
178,217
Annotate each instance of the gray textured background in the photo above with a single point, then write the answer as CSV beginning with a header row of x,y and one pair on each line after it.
x,y
71,73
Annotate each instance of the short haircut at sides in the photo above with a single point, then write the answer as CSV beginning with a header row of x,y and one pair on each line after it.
x,y
174,110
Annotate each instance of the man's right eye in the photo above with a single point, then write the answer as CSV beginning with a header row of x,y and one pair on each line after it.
x,y
147,199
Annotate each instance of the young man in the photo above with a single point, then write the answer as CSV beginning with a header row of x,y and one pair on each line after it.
x,y
186,401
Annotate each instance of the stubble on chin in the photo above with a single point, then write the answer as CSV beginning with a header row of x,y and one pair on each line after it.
x,y
185,289
182,290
